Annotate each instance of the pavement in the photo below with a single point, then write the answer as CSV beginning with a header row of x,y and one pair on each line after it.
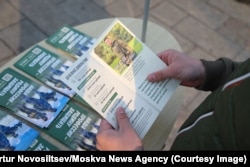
x,y
206,29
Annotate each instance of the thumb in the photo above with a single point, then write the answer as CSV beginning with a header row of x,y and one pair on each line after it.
x,y
160,75
105,125
122,119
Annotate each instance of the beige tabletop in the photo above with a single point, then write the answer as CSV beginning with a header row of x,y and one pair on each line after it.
x,y
157,39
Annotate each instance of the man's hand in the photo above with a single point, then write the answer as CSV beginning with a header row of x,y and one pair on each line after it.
x,y
188,70
124,138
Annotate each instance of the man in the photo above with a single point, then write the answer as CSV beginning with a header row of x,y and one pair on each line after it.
x,y
220,123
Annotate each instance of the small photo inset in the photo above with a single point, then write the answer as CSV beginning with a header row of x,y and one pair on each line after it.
x,y
118,48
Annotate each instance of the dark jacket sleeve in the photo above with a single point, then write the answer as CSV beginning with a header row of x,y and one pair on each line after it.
x,y
217,72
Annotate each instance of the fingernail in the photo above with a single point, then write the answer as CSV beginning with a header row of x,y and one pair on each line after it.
x,y
151,77
120,110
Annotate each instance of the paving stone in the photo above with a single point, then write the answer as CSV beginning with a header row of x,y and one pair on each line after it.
x,y
201,10
233,8
57,2
243,55
206,38
182,116
121,8
47,16
198,100
237,32
168,13
103,3
152,3
21,36
83,11
8,15
186,45
199,53
157,21
6,60
6,52
188,95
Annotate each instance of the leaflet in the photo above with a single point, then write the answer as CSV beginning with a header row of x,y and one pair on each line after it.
x,y
46,66
40,144
18,136
30,100
70,40
75,127
113,73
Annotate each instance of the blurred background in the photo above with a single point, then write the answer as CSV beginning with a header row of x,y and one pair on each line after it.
x,y
206,29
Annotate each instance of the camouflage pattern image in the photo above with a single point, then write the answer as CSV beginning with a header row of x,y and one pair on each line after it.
x,y
71,41
28,99
76,127
86,138
15,135
46,67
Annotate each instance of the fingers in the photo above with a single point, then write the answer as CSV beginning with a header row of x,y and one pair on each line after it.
x,y
105,125
160,75
167,72
122,119
165,55
154,77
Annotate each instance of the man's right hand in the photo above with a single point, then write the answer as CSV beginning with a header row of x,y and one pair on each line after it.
x,y
188,70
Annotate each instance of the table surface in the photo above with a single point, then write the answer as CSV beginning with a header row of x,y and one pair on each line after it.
x,y
157,39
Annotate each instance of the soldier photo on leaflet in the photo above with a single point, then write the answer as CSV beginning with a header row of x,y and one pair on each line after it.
x,y
118,46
